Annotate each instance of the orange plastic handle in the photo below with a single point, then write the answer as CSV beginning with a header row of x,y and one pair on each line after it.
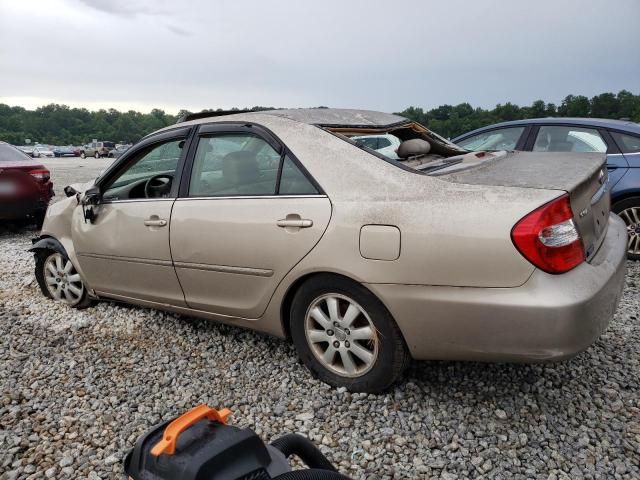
x,y
174,429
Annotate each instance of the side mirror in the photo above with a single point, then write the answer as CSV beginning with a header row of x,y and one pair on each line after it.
x,y
90,200
69,191
92,196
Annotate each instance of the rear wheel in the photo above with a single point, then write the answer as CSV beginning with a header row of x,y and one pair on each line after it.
x,y
345,336
58,279
629,210
97,155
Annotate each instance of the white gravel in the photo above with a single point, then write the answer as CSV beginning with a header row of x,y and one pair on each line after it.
x,y
77,389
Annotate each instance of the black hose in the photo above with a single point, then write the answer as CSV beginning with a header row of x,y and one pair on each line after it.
x,y
294,444
312,475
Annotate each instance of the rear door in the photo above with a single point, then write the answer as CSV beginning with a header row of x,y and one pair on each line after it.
x,y
247,213
578,138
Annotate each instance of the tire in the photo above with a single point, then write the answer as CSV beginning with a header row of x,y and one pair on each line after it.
x,y
629,210
97,155
43,258
386,352
82,155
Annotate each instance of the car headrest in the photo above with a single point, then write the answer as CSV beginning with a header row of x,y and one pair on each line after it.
x,y
413,148
240,167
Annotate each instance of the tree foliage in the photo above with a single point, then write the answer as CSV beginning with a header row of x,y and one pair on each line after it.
x,y
61,125
451,121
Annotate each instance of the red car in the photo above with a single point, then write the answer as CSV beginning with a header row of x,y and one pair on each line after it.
x,y
25,186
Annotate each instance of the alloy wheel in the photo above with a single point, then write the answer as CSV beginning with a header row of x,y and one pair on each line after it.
x,y
631,217
341,335
62,280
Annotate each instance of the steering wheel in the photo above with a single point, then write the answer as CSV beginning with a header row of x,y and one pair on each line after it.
x,y
158,186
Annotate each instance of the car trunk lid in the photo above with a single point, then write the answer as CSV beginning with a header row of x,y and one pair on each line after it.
x,y
583,176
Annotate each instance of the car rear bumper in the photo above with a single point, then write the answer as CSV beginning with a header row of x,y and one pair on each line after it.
x,y
18,209
550,317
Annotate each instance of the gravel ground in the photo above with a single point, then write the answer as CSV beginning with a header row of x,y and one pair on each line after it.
x,y
78,387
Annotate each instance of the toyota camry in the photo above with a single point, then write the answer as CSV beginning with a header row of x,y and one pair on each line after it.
x,y
280,222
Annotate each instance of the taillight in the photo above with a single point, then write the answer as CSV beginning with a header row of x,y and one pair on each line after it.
x,y
548,237
41,174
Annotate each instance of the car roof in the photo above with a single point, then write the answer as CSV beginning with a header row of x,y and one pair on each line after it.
x,y
325,117
622,125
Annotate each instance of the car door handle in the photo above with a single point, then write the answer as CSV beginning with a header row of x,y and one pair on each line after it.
x,y
298,223
156,222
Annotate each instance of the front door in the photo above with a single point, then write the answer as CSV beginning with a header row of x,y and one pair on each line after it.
x,y
125,251
249,215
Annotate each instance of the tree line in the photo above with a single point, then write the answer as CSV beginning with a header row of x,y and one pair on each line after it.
x,y
453,120
61,125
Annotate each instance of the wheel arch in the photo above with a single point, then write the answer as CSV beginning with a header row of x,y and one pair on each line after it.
x,y
625,195
285,306
48,243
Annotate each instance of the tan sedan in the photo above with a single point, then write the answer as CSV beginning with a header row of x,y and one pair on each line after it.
x,y
280,222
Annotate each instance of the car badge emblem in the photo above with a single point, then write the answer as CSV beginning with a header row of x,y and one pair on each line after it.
x,y
601,177
584,212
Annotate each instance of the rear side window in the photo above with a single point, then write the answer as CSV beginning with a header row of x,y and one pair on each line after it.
x,y
499,139
293,181
234,165
11,154
558,138
627,143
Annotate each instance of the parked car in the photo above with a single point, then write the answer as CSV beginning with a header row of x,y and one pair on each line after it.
x,y
119,150
68,151
25,186
97,149
26,149
362,260
620,140
384,144
42,151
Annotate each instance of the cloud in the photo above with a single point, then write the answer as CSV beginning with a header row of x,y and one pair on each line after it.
x,y
361,53
126,8
178,31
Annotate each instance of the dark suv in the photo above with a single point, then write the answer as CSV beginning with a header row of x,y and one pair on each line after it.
x,y
97,149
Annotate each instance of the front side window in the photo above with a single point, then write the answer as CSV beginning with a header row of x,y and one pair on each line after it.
x,y
558,138
234,165
627,143
149,176
500,139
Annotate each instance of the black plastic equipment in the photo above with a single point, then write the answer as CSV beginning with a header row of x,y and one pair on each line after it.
x,y
200,446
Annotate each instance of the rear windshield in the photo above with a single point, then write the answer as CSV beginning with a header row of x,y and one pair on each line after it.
x,y
11,154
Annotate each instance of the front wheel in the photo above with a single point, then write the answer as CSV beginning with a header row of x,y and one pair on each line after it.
x,y
345,336
629,210
97,155
82,155
58,279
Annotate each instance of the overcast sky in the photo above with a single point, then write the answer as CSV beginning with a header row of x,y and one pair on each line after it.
x,y
141,54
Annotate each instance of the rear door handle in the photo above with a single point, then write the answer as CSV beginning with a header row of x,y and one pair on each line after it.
x,y
156,222
301,223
